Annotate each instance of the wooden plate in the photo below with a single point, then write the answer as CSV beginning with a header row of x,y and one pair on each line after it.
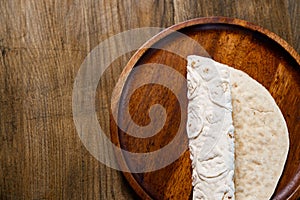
x,y
242,45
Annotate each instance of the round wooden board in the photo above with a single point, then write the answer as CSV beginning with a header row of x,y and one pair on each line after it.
x,y
242,45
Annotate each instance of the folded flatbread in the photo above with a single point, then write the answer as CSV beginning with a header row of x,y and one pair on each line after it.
x,y
259,141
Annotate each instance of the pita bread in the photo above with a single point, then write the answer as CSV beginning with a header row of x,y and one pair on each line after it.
x,y
261,138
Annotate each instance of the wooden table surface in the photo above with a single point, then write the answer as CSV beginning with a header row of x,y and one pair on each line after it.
x,y
43,44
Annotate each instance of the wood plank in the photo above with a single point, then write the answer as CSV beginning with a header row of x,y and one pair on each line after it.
x,y
42,45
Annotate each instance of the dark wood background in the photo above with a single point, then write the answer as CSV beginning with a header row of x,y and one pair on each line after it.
x,y
43,44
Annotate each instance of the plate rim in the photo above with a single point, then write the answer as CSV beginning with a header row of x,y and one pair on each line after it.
x,y
156,38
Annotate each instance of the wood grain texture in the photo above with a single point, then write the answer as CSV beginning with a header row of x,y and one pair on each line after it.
x,y
294,13
42,45
256,51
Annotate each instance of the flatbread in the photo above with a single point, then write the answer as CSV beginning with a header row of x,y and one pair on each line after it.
x,y
261,138
210,129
